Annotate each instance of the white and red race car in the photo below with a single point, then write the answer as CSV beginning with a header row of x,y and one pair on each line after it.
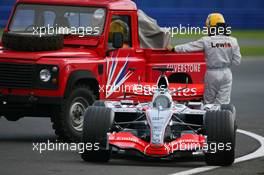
x,y
161,128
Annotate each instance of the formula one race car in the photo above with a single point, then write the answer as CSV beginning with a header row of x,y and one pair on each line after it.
x,y
162,128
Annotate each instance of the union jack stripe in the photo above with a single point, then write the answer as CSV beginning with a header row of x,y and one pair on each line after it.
x,y
117,72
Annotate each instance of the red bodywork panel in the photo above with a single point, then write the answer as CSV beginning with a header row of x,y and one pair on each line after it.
x,y
126,140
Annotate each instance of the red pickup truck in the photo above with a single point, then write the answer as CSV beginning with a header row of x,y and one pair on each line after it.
x,y
59,75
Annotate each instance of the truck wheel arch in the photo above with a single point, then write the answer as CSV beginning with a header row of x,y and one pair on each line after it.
x,y
82,76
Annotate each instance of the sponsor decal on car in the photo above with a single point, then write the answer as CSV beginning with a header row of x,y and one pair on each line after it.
x,y
183,68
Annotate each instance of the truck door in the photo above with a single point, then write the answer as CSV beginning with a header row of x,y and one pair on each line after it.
x,y
125,64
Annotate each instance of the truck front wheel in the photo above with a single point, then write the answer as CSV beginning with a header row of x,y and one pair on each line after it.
x,y
68,118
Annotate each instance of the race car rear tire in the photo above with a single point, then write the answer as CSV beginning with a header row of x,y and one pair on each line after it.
x,y
97,123
220,131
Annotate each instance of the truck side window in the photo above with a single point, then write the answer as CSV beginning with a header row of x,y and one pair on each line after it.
x,y
121,23
49,18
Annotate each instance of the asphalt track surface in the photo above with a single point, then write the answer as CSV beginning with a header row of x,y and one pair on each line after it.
x,y
16,138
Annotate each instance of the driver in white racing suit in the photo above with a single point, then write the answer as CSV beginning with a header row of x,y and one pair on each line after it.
x,y
221,52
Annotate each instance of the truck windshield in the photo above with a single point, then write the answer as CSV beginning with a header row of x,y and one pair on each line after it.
x,y
53,19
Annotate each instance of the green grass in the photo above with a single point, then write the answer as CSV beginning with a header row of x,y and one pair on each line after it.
x,y
1,32
252,51
249,34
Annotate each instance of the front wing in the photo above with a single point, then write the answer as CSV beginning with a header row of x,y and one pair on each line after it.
x,y
128,141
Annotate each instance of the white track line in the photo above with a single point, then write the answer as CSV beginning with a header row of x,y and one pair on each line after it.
x,y
256,154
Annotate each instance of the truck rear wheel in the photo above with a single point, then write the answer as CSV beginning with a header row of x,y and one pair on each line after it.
x,y
220,131
68,118
97,123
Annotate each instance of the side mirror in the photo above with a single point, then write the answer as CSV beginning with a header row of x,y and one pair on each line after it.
x,y
118,40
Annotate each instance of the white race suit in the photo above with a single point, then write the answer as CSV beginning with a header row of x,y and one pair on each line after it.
x,y
221,52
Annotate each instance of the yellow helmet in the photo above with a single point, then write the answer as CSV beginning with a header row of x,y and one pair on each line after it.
x,y
118,26
213,19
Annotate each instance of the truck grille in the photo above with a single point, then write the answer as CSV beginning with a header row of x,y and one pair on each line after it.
x,y
16,75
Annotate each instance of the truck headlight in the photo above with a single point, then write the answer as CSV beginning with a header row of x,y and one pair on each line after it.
x,y
44,75
47,76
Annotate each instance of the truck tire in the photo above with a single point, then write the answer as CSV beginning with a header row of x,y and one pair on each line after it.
x,y
97,123
31,42
220,130
68,118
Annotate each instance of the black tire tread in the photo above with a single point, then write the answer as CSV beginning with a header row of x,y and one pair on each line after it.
x,y
220,128
97,123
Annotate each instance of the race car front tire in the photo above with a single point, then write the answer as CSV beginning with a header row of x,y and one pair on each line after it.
x,y
229,107
220,131
232,108
97,123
